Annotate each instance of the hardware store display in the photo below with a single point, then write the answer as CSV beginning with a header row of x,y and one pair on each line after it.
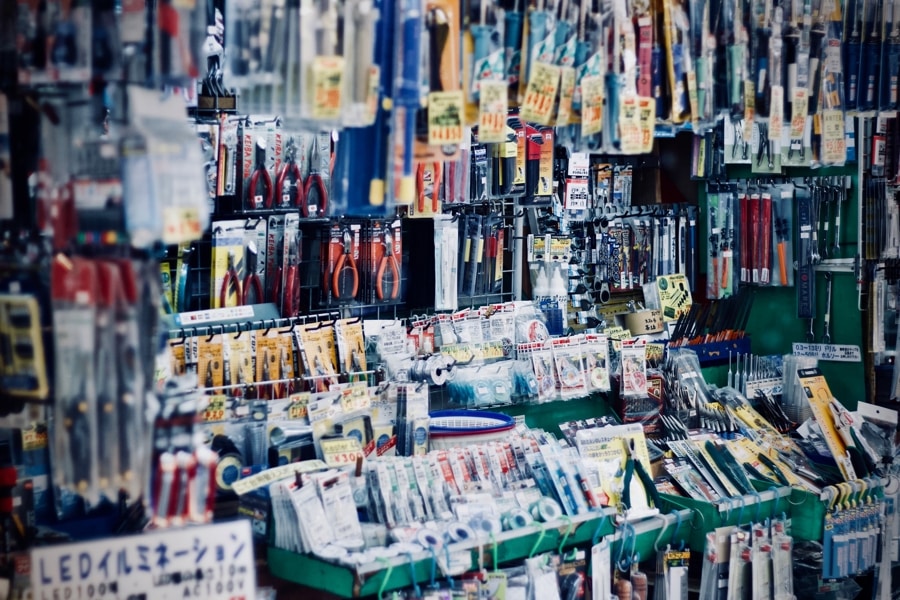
x,y
449,298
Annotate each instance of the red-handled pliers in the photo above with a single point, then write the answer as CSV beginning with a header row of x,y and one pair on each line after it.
x,y
315,195
388,267
437,168
260,198
289,188
252,288
230,283
345,272
291,304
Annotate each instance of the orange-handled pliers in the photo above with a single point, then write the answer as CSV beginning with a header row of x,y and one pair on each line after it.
x,y
345,278
388,271
437,169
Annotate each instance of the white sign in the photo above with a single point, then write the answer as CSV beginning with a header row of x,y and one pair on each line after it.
x,y
833,352
198,317
211,562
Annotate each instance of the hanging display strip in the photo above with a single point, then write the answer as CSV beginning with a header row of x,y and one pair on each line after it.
x,y
210,561
397,572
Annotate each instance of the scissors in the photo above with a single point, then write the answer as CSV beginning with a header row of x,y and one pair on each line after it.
x,y
289,188
345,279
260,198
315,196
291,302
231,284
388,272
252,287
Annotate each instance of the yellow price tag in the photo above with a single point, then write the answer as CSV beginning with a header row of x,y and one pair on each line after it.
x,y
180,225
540,96
647,117
591,105
834,147
341,452
445,110
326,86
298,409
566,93
493,103
799,108
630,125
215,410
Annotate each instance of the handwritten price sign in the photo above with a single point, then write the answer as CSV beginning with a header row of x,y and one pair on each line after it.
x,y
341,452
327,79
591,105
541,93
445,111
492,107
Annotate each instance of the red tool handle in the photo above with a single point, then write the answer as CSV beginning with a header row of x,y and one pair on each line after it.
x,y
765,239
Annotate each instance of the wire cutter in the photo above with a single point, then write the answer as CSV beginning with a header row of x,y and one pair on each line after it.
x,y
739,141
345,277
388,272
291,302
765,147
289,188
260,198
231,284
252,287
435,185
315,195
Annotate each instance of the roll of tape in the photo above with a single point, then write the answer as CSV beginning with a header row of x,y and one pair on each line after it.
x,y
459,532
429,538
517,519
228,470
546,510
486,526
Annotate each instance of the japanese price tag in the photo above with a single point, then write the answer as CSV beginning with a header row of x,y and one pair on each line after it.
x,y
493,103
445,110
566,94
540,96
591,105
834,146
341,452
326,83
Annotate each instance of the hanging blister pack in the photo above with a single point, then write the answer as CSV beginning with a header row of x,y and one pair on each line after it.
x,y
74,452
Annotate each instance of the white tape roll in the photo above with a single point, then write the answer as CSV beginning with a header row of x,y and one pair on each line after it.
x,y
460,532
517,519
429,538
486,527
546,510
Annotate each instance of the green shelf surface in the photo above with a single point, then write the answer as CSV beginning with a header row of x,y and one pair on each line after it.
x,y
402,571
643,538
742,510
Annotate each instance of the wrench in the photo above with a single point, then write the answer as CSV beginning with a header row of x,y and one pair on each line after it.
x,y
826,338
811,333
